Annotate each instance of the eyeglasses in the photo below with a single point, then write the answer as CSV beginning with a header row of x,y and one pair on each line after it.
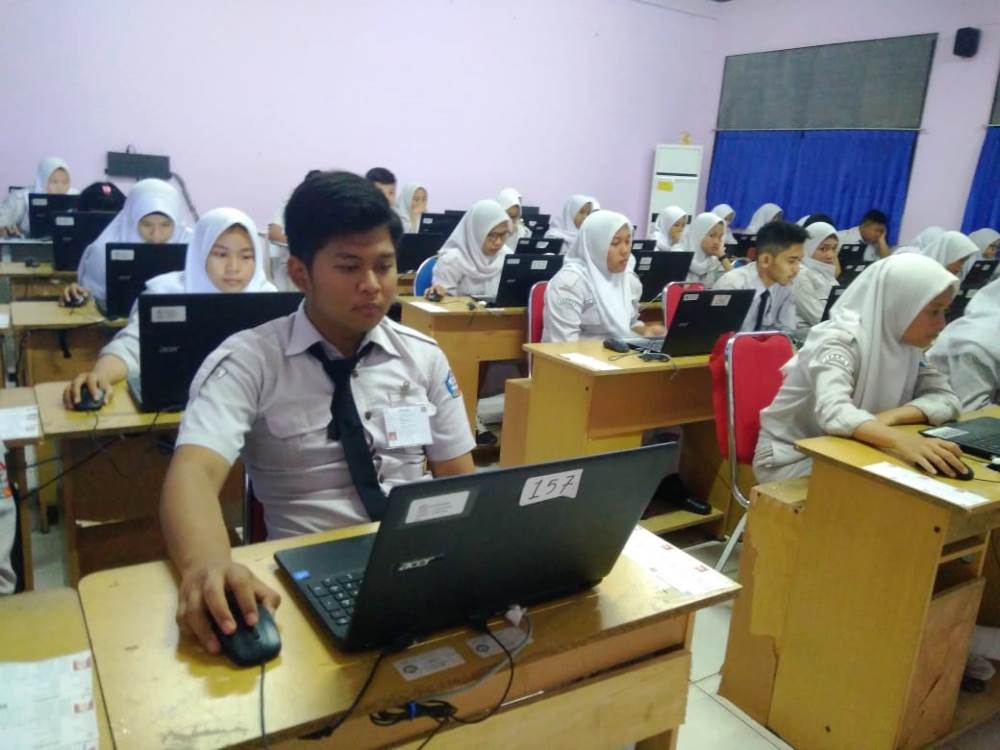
x,y
498,236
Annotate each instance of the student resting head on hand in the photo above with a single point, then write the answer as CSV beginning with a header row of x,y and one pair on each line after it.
x,y
704,239
576,208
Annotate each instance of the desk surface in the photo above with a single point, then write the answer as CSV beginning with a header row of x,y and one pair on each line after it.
x,y
622,363
120,414
14,397
459,306
157,685
45,624
42,270
50,314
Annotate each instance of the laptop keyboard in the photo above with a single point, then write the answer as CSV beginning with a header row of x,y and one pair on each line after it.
x,y
987,444
336,595
646,344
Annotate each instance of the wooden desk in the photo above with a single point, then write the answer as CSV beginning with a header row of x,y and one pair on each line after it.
x,y
569,408
468,337
16,473
613,663
861,598
41,281
404,284
44,624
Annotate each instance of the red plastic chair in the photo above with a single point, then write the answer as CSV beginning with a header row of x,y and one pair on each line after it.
x,y
746,376
536,313
672,297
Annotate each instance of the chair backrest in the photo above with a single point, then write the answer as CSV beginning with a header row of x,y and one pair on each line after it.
x,y
424,277
536,311
746,376
672,297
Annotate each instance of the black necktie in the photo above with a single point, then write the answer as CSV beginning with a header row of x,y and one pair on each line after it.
x,y
762,308
345,426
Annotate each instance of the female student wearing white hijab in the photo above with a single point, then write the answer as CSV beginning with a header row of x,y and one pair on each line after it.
x,y
988,242
817,275
471,259
861,372
704,239
669,229
577,208
224,256
52,176
411,203
728,214
766,213
510,201
595,294
152,213
951,250
968,352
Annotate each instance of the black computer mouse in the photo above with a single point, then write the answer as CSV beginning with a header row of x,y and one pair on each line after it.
x,y
967,476
89,401
75,301
434,295
616,345
246,646
31,262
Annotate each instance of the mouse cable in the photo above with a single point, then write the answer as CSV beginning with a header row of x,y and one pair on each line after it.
x,y
263,726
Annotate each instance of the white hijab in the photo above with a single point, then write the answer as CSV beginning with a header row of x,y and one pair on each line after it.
x,y
926,237
983,238
762,216
404,201
46,167
875,311
697,229
818,234
512,197
465,244
722,211
949,247
147,197
666,219
194,278
588,257
978,330
566,229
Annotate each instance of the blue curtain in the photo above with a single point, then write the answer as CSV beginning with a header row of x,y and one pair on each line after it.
x,y
983,208
838,172
750,168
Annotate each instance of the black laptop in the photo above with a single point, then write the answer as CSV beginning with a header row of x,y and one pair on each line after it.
x,y
643,246
850,272
439,223
177,332
43,206
656,269
538,246
700,318
130,265
453,549
538,224
414,249
851,255
519,274
977,437
980,274
957,308
835,293
72,231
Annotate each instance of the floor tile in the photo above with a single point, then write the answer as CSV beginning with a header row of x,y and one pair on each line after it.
x,y
708,648
709,726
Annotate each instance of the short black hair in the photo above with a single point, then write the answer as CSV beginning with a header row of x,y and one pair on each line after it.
x,y
817,218
312,173
101,196
380,175
335,204
777,236
875,217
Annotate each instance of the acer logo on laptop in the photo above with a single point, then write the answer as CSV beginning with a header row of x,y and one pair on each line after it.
x,y
420,562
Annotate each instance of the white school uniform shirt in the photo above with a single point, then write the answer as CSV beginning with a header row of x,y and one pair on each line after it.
x,y
852,236
571,310
968,350
779,315
855,366
263,397
192,280
462,267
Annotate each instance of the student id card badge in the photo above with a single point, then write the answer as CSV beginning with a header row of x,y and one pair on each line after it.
x,y
407,426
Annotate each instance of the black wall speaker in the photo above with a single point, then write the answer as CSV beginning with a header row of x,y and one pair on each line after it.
x,y
967,42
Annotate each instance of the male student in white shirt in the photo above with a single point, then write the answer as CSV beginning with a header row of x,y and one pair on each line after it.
x,y
268,395
780,247
871,233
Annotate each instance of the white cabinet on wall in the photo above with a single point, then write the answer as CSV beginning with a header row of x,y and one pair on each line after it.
x,y
676,178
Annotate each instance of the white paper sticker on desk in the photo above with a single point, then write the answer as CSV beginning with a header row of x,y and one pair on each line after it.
x,y
927,485
48,704
429,662
550,487
591,363
484,646
19,423
4,321
429,306
671,566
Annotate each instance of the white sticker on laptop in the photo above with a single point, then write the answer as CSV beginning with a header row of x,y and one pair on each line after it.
x,y
484,646
407,426
427,663
645,263
542,245
437,507
124,254
721,300
39,201
690,298
168,314
539,265
65,221
550,487
946,433
513,261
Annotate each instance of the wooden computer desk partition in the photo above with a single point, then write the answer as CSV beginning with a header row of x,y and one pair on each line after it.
x,y
34,282
861,595
17,475
605,668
